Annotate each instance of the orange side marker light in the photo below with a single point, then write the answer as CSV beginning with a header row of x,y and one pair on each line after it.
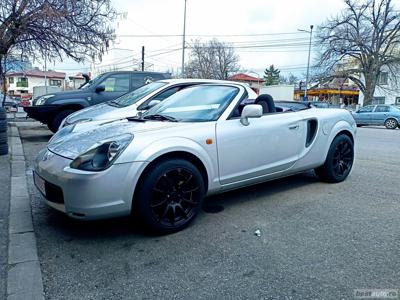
x,y
209,141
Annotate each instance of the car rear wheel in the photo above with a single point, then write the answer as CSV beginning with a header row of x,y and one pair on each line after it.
x,y
55,124
339,160
169,196
391,124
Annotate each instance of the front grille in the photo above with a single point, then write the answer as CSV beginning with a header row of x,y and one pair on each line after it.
x,y
54,193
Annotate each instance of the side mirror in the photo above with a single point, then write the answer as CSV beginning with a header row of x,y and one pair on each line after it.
x,y
250,111
100,88
152,103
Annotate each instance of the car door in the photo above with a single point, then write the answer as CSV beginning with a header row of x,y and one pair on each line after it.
x,y
115,85
364,115
379,115
269,144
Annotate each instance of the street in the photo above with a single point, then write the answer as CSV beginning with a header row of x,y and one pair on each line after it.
x,y
318,240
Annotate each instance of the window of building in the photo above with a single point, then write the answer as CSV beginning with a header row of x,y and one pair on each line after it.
x,y
383,78
382,108
378,100
22,82
55,82
11,80
117,83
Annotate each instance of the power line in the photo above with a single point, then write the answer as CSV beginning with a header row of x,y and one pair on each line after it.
x,y
208,35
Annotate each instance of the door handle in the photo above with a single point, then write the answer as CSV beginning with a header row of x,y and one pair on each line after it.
x,y
293,127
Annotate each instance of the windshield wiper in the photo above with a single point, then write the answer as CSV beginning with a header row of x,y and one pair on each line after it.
x,y
136,119
114,103
160,117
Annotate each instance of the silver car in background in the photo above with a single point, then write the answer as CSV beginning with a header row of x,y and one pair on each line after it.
x,y
136,101
202,140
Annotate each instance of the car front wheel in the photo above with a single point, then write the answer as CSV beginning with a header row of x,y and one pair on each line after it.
x,y
55,124
169,196
391,124
339,160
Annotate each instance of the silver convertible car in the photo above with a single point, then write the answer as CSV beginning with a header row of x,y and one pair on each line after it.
x,y
202,140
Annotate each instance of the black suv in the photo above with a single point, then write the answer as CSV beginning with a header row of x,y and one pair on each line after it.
x,y
51,109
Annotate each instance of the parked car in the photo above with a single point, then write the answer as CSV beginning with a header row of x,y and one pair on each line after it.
x,y
200,141
320,104
10,104
51,109
136,101
381,114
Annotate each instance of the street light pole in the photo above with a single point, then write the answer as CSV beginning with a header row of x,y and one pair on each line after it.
x,y
183,41
308,62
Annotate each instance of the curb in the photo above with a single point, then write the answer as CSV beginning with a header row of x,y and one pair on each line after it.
x,y
24,277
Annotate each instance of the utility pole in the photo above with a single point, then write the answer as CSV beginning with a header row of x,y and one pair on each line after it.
x,y
183,42
45,71
308,63
142,58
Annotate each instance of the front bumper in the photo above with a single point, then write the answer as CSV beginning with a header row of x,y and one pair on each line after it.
x,y
89,195
42,113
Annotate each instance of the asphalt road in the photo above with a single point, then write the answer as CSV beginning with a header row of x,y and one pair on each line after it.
x,y
318,241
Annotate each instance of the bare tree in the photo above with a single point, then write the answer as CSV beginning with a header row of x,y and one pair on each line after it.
x,y
289,79
54,29
212,60
361,40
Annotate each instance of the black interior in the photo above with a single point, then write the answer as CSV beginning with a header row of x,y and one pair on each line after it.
x,y
270,106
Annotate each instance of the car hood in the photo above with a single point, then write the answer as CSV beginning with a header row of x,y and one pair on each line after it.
x,y
102,111
72,144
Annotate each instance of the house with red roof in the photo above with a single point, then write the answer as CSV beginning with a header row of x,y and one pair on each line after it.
x,y
254,82
22,83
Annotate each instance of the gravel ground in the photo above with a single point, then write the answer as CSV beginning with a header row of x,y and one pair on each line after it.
x,y
318,241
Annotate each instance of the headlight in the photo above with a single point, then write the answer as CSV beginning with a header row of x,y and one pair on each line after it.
x,y
43,99
102,155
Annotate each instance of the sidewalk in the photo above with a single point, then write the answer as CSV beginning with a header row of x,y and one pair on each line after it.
x,y
20,272
5,187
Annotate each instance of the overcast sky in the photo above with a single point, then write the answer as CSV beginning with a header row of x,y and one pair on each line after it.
x,y
278,20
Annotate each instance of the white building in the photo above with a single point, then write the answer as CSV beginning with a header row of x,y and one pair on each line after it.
x,y
22,83
387,90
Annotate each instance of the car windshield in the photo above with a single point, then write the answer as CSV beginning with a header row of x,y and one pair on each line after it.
x,y
136,95
195,104
90,82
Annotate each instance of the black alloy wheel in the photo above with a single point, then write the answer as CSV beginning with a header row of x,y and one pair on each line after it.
x,y
339,160
170,196
342,158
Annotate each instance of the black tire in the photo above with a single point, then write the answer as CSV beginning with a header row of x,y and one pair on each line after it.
x,y
3,149
3,138
339,160
55,124
3,114
162,200
3,125
391,123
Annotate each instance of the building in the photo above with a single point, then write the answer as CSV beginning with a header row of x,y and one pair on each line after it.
x,y
76,81
254,82
22,83
387,90
337,91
